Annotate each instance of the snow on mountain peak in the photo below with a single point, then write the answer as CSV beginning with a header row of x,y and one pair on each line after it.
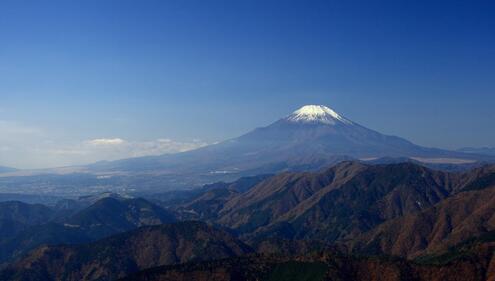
x,y
317,114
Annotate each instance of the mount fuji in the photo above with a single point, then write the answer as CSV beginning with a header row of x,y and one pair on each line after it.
x,y
310,138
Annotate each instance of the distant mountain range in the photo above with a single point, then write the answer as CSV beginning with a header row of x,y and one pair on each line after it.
x,y
479,150
4,169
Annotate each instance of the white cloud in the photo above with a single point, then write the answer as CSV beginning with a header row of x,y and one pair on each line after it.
x,y
24,146
115,141
123,149
116,148
46,154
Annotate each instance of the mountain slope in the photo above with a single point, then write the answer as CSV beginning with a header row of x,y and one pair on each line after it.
x,y
460,217
336,203
110,215
310,138
120,255
206,203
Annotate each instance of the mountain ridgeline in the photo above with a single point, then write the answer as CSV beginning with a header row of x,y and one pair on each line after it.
x,y
350,221
344,201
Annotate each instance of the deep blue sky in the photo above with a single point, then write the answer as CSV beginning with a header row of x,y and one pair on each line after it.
x,y
74,71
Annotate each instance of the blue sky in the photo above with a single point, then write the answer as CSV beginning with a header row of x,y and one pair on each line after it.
x,y
165,76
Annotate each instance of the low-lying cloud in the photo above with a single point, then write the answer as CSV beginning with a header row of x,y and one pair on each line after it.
x,y
117,148
115,141
23,146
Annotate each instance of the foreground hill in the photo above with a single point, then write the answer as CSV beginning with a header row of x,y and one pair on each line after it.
x,y
195,251
120,255
474,262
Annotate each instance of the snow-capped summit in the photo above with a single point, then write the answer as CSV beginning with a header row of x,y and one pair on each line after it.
x,y
317,114
312,137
